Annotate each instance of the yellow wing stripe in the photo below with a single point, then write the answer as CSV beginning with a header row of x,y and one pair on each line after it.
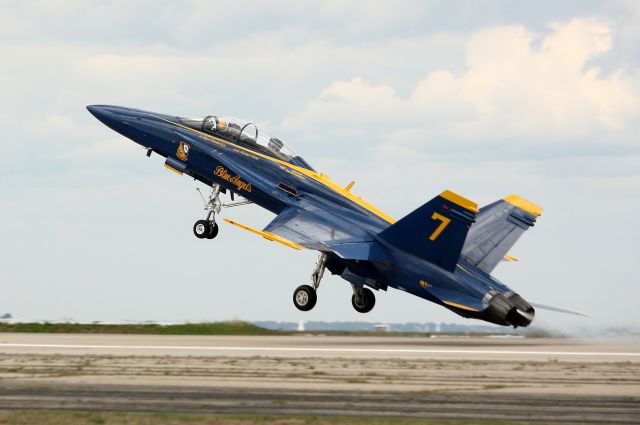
x,y
460,200
524,204
319,177
267,235
510,258
460,306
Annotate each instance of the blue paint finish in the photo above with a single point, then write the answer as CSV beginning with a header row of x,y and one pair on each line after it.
x,y
362,247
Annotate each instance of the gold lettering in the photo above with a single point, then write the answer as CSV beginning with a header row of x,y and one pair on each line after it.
x,y
237,181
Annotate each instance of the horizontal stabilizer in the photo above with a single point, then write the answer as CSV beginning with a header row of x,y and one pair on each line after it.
x,y
497,228
436,231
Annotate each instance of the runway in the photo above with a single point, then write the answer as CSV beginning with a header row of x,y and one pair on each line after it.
x,y
493,378
322,346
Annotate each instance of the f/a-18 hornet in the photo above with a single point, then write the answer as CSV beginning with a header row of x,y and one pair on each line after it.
x,y
444,251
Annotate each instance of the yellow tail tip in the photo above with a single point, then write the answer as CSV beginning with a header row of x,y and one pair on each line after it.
x,y
460,200
524,204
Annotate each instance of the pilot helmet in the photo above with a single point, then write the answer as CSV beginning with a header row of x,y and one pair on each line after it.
x,y
221,124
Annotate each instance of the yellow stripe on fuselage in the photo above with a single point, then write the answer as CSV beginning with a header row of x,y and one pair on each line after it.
x,y
319,177
460,306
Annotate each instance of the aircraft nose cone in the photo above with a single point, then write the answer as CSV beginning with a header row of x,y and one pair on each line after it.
x,y
99,111
93,109
129,122
116,117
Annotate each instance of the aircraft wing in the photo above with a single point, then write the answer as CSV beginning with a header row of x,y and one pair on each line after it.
x,y
325,232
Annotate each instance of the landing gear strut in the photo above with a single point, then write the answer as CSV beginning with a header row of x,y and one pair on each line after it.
x,y
305,296
208,228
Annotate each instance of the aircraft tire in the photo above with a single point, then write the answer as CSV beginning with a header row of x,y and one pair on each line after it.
x,y
304,297
369,298
201,229
212,230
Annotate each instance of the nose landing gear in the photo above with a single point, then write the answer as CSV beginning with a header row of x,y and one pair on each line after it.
x,y
208,228
305,296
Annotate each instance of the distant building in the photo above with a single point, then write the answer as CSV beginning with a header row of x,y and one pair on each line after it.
x,y
382,328
301,326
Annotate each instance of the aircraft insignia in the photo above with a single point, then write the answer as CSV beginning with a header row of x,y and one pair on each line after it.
x,y
183,151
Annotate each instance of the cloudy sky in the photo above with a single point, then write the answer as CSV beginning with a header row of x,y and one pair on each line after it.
x,y
407,98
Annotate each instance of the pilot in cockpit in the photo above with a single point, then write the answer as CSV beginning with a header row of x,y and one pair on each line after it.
x,y
221,124
275,144
245,134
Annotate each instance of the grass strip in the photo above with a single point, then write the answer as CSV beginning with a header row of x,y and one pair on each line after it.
x,y
213,328
30,417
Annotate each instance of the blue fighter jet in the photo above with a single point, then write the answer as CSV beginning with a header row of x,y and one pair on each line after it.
x,y
444,251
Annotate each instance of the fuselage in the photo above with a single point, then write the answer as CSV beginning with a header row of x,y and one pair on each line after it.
x,y
276,181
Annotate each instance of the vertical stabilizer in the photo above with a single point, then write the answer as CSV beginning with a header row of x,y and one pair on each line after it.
x,y
498,227
436,231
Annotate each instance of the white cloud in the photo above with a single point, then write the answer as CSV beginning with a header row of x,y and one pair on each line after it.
x,y
52,125
119,146
511,92
405,98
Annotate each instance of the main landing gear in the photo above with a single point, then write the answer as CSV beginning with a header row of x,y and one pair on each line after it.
x,y
362,299
305,296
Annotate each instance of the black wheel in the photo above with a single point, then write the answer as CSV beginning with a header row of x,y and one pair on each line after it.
x,y
201,229
365,304
304,297
213,230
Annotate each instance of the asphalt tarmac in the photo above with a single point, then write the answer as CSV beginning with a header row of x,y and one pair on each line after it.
x,y
494,378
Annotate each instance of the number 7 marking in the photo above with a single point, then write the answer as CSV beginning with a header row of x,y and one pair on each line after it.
x,y
444,222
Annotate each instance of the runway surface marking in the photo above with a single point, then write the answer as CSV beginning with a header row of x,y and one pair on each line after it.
x,y
325,350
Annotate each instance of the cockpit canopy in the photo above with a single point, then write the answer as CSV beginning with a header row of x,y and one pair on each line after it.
x,y
245,134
